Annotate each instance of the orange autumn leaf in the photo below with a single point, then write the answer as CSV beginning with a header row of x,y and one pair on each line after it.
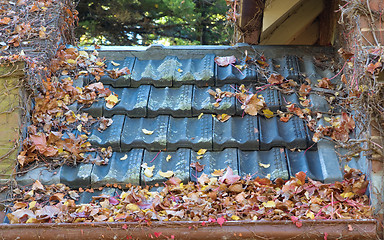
x,y
275,79
5,21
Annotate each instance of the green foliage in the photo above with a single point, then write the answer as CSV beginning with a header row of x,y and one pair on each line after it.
x,y
133,22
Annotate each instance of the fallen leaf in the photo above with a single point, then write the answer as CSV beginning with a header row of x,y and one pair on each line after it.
x,y
133,207
325,83
269,204
200,115
166,174
221,220
111,101
37,186
201,151
115,64
148,171
304,90
225,61
345,54
5,21
157,234
218,173
124,157
268,113
264,165
203,179
275,79
229,177
147,132
223,117
196,165
174,181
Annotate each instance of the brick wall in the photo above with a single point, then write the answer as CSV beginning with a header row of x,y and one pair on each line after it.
x,y
10,112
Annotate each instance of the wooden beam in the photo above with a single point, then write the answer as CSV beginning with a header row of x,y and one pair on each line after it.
x,y
276,10
309,36
293,25
250,23
328,22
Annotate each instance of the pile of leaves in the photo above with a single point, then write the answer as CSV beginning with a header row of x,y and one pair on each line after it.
x,y
338,128
57,131
227,198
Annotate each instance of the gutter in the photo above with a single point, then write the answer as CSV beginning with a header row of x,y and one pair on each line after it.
x,y
310,229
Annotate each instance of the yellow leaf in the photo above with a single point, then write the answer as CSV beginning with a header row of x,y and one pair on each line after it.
x,y
199,157
218,173
32,204
112,98
347,168
148,171
168,158
327,119
133,207
83,54
71,61
347,194
264,165
166,174
269,204
111,101
268,176
147,132
201,114
115,64
123,195
79,127
311,215
268,113
201,151
124,157
235,218
98,63
31,220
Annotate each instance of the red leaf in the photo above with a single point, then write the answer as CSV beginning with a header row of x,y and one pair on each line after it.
x,y
296,221
229,177
221,220
157,234
125,226
197,166
299,224
225,61
325,236
113,201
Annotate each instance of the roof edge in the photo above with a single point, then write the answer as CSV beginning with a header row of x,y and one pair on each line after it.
x,y
310,229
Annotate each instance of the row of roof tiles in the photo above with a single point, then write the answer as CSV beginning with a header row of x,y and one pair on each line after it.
x,y
189,101
245,133
172,71
125,167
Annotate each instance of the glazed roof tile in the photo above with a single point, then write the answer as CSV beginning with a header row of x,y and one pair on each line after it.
x,y
167,91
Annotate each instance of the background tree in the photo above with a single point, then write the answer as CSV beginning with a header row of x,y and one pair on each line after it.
x,y
134,22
